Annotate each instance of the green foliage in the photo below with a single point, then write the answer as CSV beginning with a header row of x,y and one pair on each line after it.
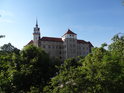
x,y
32,71
102,71
117,47
34,90
103,45
2,36
9,48
6,73
29,71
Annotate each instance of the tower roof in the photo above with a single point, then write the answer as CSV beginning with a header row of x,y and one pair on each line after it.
x,y
70,32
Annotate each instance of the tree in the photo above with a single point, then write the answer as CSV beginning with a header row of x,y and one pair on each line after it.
x,y
34,69
6,73
123,3
28,71
66,80
9,48
117,47
102,71
2,36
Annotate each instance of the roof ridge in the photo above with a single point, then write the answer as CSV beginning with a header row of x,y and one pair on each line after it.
x,y
70,32
50,37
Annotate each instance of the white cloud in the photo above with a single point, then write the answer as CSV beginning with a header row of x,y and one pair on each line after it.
x,y
6,16
6,13
3,20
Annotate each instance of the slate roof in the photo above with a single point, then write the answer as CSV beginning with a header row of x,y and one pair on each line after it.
x,y
54,39
31,42
69,32
84,42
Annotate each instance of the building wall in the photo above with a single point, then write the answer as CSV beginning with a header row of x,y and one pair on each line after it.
x,y
54,49
67,49
83,49
70,47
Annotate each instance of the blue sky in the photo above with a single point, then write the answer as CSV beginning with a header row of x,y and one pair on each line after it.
x,y
93,20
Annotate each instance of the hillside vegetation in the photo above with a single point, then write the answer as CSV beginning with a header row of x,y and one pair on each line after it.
x,y
31,70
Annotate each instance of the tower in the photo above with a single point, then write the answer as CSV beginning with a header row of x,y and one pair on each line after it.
x,y
70,43
36,34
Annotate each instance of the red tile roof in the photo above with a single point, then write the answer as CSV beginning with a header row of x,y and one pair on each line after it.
x,y
51,39
69,32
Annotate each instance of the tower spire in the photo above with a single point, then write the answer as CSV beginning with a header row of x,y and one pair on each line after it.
x,y
36,34
36,22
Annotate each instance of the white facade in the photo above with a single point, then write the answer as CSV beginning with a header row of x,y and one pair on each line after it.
x,y
74,36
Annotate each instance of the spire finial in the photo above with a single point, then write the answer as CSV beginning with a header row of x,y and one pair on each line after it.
x,y
69,29
36,22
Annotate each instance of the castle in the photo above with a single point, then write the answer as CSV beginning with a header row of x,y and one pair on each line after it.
x,y
67,46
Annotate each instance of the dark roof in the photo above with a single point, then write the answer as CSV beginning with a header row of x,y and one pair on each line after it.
x,y
69,32
31,42
90,44
84,42
51,39
81,41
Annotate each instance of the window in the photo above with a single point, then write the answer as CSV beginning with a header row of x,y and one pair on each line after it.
x,y
73,45
70,45
53,46
56,47
60,57
59,47
65,52
79,47
44,46
60,52
65,46
87,48
49,46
